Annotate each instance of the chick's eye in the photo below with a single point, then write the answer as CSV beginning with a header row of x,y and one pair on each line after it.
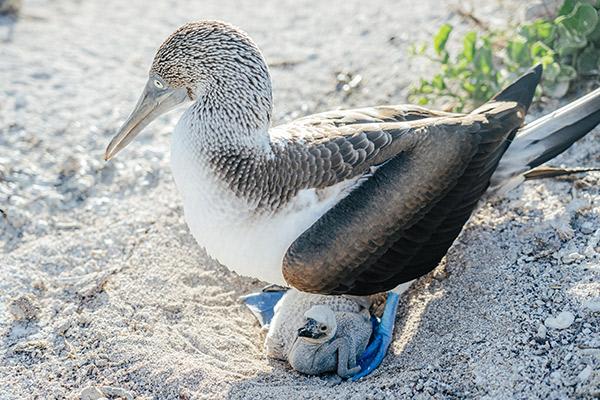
x,y
323,328
158,84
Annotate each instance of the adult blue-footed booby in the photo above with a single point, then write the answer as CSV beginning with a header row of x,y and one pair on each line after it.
x,y
343,202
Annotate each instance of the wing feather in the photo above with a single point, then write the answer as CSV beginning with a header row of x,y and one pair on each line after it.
x,y
401,221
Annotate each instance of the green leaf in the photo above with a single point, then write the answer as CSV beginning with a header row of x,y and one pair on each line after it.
x,y
438,82
538,30
594,36
567,73
469,45
557,80
440,39
568,43
546,60
539,50
587,61
556,89
517,50
551,71
425,87
567,7
544,30
468,86
483,60
581,21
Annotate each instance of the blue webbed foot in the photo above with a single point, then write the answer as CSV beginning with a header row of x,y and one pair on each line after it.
x,y
262,304
381,339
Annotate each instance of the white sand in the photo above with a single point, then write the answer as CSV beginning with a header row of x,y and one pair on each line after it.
x,y
101,284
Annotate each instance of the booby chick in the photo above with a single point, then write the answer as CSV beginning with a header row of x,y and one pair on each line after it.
x,y
329,342
343,202
290,313
318,334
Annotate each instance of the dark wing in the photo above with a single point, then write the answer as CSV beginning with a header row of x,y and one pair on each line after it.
x,y
401,221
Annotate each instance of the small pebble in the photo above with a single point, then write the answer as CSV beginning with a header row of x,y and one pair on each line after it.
x,y
117,392
572,257
91,393
590,249
561,321
63,326
587,227
585,374
541,332
592,305
24,308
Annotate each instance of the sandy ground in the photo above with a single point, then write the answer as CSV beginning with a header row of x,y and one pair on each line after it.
x,y
103,291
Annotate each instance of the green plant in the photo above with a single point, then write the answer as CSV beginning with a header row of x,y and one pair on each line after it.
x,y
568,47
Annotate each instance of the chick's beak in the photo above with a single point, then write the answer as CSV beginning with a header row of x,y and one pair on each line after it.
x,y
153,103
310,330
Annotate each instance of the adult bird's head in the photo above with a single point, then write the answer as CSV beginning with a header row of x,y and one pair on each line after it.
x,y
212,63
320,325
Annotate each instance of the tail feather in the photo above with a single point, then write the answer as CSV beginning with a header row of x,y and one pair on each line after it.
x,y
552,172
523,89
545,138
520,91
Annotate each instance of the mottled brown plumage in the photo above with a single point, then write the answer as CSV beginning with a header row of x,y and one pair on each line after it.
x,y
399,223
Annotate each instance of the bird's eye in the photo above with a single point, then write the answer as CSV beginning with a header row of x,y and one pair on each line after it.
x,y
323,328
158,84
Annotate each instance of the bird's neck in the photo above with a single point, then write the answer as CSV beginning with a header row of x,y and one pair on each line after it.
x,y
228,139
235,111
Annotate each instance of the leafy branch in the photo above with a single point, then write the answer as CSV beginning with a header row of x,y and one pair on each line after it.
x,y
568,47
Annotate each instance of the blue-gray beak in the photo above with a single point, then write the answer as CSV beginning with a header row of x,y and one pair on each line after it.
x,y
157,99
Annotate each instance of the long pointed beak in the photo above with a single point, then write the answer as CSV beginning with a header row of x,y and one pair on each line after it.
x,y
152,103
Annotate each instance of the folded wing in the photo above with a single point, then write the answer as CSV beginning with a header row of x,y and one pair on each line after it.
x,y
399,223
